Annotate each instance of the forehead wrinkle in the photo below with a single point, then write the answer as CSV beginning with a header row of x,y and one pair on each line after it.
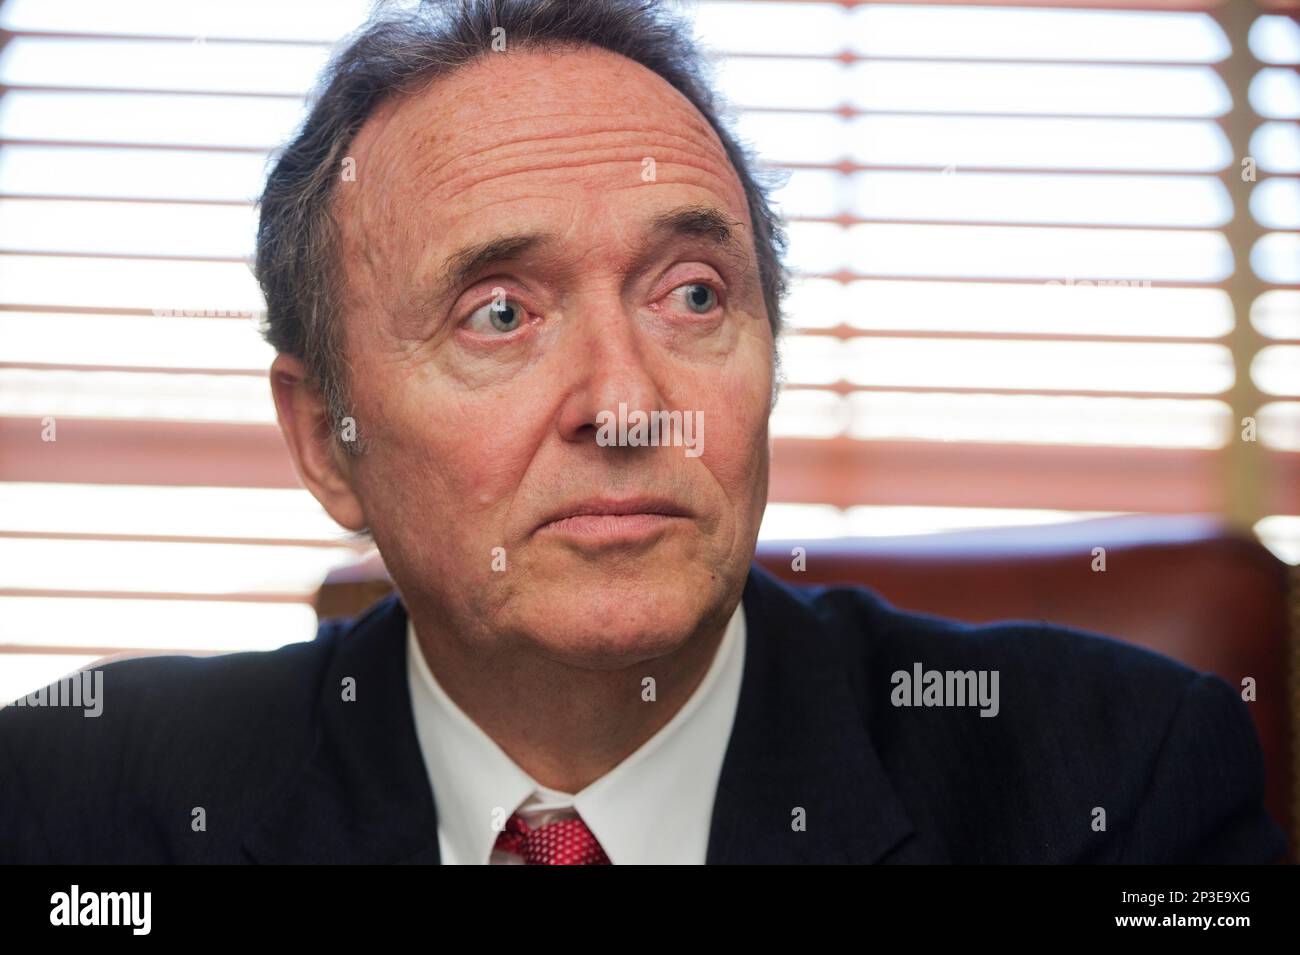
x,y
454,112
376,220
526,147
464,169
473,93
472,178
586,123
428,271
413,140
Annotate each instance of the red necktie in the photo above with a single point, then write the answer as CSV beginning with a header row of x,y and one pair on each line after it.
x,y
566,842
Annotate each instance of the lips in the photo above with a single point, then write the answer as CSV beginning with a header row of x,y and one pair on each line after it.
x,y
597,514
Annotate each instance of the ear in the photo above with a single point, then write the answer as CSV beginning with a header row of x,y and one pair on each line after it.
x,y
322,465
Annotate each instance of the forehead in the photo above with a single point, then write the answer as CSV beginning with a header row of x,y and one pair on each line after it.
x,y
535,138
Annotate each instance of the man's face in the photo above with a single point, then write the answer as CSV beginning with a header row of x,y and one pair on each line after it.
x,y
532,241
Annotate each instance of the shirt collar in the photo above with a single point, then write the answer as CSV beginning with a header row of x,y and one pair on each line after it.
x,y
653,807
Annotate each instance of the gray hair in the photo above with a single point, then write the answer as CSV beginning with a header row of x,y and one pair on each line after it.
x,y
400,51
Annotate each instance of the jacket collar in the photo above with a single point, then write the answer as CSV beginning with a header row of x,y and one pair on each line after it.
x,y
798,742
362,796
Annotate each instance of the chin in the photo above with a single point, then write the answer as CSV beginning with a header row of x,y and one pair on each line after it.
x,y
608,625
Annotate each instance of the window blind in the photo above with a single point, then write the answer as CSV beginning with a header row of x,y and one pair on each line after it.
x,y
1047,267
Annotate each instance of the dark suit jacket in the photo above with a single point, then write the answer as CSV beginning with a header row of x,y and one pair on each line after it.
x,y
287,771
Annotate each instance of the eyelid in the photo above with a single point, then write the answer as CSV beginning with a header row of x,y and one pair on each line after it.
x,y
687,271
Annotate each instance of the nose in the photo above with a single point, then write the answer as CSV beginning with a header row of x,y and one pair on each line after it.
x,y
609,364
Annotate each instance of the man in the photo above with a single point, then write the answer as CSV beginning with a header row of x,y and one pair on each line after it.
x,y
525,292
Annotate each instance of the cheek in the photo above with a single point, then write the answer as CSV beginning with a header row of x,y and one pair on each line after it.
x,y
735,403
448,464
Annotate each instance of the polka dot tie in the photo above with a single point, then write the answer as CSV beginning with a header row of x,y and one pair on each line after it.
x,y
566,842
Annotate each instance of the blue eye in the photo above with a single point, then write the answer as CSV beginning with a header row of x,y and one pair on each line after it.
x,y
699,298
501,315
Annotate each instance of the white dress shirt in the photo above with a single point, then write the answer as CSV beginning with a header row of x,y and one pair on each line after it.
x,y
656,806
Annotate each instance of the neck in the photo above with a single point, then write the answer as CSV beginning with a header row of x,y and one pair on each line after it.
x,y
564,725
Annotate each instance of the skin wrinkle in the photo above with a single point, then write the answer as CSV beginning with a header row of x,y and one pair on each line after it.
x,y
438,299
688,148
567,167
373,250
378,124
382,171
470,447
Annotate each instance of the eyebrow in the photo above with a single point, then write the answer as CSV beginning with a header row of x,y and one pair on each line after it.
x,y
692,221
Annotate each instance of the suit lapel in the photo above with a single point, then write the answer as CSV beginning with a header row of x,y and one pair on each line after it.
x,y
363,796
799,742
